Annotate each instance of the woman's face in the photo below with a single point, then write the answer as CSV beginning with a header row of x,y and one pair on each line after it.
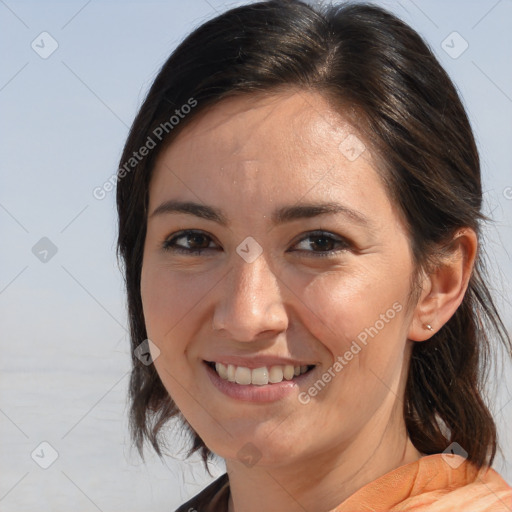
x,y
296,258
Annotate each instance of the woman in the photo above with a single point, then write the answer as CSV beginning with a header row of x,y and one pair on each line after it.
x,y
299,205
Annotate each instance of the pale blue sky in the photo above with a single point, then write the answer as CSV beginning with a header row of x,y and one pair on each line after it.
x,y
63,123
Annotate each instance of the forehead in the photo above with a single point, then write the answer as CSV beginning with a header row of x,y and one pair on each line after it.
x,y
273,147
277,126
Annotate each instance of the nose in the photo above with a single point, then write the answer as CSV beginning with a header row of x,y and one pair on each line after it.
x,y
251,305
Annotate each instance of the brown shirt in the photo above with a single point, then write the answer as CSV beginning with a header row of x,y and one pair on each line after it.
x,y
213,498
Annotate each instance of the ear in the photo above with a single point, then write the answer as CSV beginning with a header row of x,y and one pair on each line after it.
x,y
444,287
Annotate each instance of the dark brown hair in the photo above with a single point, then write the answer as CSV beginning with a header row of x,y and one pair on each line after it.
x,y
378,71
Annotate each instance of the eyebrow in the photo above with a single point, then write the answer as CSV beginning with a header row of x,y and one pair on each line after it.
x,y
280,216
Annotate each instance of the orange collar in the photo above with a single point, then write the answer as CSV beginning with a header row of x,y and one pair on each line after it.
x,y
441,483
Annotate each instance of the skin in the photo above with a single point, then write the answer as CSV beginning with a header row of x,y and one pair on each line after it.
x,y
249,156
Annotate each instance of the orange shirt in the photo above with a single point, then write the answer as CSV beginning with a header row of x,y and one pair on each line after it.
x,y
433,483
430,484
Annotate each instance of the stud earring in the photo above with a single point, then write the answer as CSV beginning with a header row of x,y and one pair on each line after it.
x,y
427,326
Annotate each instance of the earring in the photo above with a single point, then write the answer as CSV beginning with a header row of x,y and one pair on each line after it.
x,y
428,326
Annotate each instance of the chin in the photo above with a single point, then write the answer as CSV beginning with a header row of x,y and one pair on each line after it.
x,y
255,451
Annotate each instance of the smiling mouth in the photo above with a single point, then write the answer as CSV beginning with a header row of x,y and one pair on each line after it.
x,y
258,376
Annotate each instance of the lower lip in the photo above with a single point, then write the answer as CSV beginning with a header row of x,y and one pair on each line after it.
x,y
254,393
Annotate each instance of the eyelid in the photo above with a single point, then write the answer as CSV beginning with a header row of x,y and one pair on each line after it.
x,y
166,244
319,232
346,244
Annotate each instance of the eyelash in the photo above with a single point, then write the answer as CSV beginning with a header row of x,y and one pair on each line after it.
x,y
170,243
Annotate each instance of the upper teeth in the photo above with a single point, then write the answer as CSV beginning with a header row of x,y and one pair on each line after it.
x,y
258,376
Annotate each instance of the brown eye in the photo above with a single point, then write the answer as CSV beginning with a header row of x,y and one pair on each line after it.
x,y
188,242
322,243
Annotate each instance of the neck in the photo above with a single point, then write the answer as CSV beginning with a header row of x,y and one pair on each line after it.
x,y
324,482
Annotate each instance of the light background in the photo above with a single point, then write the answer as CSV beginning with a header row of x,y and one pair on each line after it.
x,y
65,351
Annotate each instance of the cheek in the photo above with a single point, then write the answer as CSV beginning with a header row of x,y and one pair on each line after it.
x,y
169,302
166,299
359,313
157,301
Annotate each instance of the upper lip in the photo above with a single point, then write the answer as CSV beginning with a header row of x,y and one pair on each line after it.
x,y
257,361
